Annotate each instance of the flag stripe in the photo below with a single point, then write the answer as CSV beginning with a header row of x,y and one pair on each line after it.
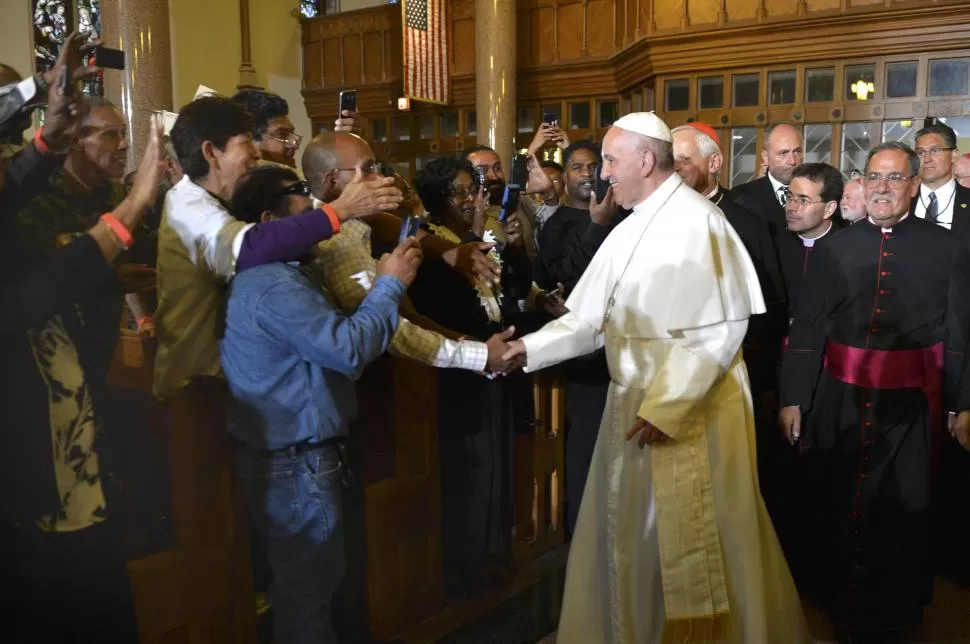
x,y
426,59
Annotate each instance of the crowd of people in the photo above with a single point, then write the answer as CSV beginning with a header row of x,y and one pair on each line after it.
x,y
782,358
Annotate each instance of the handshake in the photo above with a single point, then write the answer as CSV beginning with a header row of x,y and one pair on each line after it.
x,y
504,355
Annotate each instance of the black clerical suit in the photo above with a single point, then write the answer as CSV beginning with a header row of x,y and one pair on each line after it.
x,y
954,460
760,197
566,245
874,361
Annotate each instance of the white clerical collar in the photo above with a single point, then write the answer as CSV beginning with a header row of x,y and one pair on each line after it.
x,y
808,243
887,230
943,193
660,195
710,195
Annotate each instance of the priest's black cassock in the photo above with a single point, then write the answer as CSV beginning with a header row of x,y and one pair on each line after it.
x,y
874,361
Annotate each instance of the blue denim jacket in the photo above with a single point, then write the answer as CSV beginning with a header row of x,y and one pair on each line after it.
x,y
291,356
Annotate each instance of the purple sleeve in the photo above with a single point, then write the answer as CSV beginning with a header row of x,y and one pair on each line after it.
x,y
284,240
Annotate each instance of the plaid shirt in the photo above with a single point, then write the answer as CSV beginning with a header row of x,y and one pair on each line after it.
x,y
348,270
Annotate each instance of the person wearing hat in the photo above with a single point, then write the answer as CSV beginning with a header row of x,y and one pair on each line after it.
x,y
673,542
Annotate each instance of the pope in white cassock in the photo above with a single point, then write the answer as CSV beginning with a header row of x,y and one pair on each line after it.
x,y
673,542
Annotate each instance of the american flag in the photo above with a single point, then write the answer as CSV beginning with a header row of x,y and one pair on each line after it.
x,y
426,68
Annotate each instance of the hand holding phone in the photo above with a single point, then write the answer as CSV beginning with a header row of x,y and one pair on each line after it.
x,y
409,228
109,58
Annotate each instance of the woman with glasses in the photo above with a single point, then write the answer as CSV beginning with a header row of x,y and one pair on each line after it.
x,y
477,416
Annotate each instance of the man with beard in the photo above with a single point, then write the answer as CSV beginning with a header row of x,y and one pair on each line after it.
x,y
566,244
531,215
853,204
273,131
874,362
767,195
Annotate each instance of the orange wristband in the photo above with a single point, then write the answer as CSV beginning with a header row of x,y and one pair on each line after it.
x,y
40,143
118,229
332,216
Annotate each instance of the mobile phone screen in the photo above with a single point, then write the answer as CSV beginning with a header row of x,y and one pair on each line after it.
x,y
348,101
510,202
109,58
520,170
602,185
409,228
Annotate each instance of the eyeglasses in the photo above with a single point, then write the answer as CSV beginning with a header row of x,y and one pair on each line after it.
x,y
374,167
896,179
933,152
799,201
462,193
301,188
293,140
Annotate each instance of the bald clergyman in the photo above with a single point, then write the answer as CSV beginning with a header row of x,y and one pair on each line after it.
x,y
673,542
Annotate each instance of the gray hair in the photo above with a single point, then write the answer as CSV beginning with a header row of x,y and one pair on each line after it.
x,y
898,147
705,144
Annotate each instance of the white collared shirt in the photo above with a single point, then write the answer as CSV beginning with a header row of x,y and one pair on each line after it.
x,y
776,186
945,195
198,243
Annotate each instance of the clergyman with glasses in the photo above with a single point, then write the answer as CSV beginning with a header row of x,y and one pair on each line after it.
x,y
871,381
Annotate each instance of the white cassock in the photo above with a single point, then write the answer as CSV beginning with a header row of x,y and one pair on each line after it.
x,y
672,541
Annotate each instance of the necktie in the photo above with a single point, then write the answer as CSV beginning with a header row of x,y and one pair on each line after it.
x,y
933,209
783,195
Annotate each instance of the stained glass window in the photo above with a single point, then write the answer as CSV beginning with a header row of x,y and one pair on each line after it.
x,y
53,21
52,24
310,8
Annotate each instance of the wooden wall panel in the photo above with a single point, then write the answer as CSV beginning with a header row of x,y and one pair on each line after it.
x,y
463,52
542,35
393,56
332,65
824,5
864,3
523,34
570,31
373,68
667,13
781,8
599,28
741,10
313,64
703,12
352,60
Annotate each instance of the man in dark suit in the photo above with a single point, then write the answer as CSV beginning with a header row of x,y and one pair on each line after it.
x,y
766,196
941,199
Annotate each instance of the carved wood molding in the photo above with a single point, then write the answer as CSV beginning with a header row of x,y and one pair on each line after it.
x,y
853,35
352,22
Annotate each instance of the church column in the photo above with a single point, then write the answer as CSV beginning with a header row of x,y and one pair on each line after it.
x,y
247,73
495,110
141,29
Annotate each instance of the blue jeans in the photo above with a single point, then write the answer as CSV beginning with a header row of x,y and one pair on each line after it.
x,y
295,504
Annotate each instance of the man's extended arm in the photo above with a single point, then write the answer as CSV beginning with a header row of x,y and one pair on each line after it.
x,y
348,270
304,320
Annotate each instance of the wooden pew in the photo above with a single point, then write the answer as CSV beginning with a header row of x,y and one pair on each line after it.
x,y
202,590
